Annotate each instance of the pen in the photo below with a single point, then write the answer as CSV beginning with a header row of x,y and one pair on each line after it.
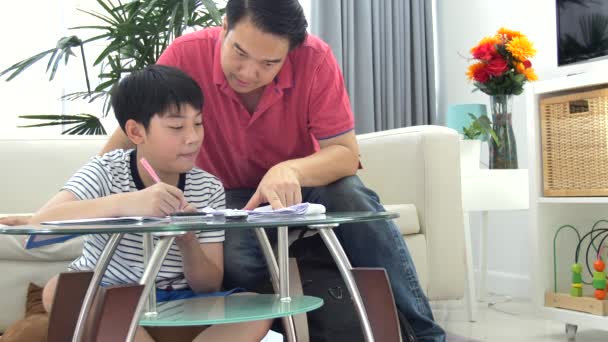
x,y
152,173
150,170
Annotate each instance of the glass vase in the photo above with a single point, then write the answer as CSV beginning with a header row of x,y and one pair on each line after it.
x,y
503,154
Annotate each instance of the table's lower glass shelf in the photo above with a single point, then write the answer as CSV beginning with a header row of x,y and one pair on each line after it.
x,y
230,309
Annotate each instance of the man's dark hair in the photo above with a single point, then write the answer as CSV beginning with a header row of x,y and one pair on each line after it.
x,y
154,90
284,18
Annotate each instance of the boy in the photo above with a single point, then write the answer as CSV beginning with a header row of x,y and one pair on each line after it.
x,y
159,109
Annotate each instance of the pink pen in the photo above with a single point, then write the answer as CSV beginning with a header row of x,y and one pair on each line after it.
x,y
150,170
152,173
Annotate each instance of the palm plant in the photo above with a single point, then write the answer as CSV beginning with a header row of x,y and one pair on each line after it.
x,y
137,33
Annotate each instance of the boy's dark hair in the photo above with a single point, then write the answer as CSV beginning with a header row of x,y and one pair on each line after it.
x,y
280,17
151,91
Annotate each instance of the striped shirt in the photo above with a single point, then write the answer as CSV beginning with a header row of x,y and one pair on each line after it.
x,y
116,172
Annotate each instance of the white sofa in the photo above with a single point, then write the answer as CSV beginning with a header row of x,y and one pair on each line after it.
x,y
415,171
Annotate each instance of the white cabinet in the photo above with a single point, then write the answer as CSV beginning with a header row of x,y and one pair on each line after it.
x,y
547,214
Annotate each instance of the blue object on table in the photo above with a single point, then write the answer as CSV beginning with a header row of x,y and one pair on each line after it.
x,y
458,115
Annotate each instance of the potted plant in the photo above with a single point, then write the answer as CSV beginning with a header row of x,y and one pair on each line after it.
x,y
136,33
477,131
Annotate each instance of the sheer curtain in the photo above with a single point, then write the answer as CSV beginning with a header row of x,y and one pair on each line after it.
x,y
385,49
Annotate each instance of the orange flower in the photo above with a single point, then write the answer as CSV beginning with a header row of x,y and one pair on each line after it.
x,y
521,48
520,67
509,34
530,74
472,68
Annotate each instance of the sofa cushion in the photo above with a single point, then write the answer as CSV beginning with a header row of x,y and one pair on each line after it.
x,y
45,164
416,244
12,249
407,222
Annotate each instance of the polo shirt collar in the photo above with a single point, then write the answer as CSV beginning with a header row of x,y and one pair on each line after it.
x,y
139,183
218,74
283,80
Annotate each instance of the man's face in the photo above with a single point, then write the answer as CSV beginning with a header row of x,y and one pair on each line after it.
x,y
251,58
174,139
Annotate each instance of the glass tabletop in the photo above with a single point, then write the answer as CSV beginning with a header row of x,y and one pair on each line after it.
x,y
230,309
202,223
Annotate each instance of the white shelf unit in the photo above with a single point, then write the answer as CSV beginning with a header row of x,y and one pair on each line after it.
x,y
547,214
565,200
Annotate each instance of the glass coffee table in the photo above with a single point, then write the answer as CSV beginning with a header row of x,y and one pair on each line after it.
x,y
136,303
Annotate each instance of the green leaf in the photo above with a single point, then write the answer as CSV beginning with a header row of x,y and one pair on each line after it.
x,y
480,126
19,67
83,123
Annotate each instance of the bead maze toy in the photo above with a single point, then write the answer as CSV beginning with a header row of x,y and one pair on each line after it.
x,y
576,300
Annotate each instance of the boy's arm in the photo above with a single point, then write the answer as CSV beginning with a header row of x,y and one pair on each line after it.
x,y
158,200
203,252
203,263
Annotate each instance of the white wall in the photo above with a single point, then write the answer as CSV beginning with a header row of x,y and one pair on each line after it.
x,y
460,25
31,28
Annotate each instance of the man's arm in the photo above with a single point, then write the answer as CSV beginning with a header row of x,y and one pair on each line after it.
x,y
281,185
117,140
338,158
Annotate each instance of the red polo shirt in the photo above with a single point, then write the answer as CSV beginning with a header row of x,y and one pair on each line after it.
x,y
306,102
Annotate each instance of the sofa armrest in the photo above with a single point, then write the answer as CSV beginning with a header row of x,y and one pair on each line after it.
x,y
421,165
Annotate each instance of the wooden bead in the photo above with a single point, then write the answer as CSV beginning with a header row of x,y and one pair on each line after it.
x,y
599,284
576,291
599,265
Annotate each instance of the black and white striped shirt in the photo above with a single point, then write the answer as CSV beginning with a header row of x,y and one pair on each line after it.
x,y
116,172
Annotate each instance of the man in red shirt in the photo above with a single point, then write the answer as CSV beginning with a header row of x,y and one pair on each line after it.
x,y
279,129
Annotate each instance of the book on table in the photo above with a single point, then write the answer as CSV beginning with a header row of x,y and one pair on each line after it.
x,y
40,240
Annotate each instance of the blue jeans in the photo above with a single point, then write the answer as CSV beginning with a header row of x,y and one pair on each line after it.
x,y
367,244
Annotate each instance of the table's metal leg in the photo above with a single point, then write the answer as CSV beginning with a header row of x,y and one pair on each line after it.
x,y
148,279
273,268
100,269
283,246
339,256
483,261
148,248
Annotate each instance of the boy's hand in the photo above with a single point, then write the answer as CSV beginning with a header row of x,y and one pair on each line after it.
x,y
159,199
189,208
182,241
14,220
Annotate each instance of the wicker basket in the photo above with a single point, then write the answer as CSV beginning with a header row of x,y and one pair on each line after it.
x,y
574,130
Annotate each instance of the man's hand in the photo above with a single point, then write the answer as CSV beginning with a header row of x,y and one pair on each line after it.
x,y
15,220
157,200
280,187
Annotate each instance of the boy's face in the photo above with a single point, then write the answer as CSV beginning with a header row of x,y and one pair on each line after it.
x,y
251,58
172,141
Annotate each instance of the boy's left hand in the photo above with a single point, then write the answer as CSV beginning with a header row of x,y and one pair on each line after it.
x,y
183,240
